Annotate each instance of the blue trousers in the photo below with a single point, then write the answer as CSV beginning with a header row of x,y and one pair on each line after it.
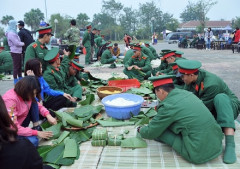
x,y
33,115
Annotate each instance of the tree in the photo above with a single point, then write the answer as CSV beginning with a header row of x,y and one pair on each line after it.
x,y
128,20
197,11
236,22
112,8
6,19
172,25
33,18
82,20
2,33
62,25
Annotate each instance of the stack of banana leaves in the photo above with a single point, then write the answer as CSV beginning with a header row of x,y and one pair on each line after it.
x,y
1,76
93,83
145,90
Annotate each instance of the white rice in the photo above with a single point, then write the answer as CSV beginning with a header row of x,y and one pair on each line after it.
x,y
120,102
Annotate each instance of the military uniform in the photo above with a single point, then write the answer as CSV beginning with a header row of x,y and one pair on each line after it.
x,y
189,129
6,63
148,52
218,98
152,49
73,36
143,62
87,44
58,80
128,55
36,50
107,57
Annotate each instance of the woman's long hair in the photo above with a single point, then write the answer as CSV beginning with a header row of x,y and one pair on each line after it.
x,y
8,130
34,65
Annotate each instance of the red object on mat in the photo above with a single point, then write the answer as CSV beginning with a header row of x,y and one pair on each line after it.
x,y
125,84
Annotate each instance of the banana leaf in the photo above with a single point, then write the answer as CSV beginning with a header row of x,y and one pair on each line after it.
x,y
54,166
99,142
141,90
134,142
56,130
55,156
63,136
142,121
89,99
115,123
82,135
85,111
151,113
45,125
44,150
100,134
72,49
70,149
63,116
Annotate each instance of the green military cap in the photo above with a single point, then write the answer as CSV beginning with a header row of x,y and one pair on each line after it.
x,y
109,45
52,55
72,49
137,47
76,65
88,26
165,50
44,30
188,66
94,28
168,54
178,53
147,43
161,80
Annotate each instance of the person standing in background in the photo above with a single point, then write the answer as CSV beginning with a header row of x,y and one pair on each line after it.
x,y
16,49
73,35
208,38
87,43
25,37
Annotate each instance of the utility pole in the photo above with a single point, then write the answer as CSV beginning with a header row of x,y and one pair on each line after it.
x,y
46,10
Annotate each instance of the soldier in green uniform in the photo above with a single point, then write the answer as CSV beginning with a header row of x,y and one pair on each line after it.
x,y
177,81
147,52
107,57
178,53
189,129
73,35
6,63
129,53
153,50
38,49
218,98
98,41
62,77
138,66
87,43
163,64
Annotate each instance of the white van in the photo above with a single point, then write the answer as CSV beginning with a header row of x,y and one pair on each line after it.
x,y
173,37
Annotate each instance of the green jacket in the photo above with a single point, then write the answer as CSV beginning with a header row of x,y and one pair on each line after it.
x,y
73,36
147,52
36,50
207,86
128,55
189,128
143,63
98,41
153,50
6,63
86,39
106,57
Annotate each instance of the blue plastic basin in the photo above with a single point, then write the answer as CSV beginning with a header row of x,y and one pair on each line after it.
x,y
123,112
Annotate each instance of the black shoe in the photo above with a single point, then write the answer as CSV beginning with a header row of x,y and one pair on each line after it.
x,y
38,128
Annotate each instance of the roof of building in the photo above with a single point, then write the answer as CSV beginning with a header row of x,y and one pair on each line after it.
x,y
212,24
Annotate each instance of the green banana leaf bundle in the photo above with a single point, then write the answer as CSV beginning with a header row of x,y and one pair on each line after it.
x,y
100,134
99,142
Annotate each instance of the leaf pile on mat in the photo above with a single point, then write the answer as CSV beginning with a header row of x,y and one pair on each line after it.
x,y
143,117
111,122
66,149
92,85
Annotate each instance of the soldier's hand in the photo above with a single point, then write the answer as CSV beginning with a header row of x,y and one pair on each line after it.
x,y
68,96
130,67
66,53
45,134
157,73
30,73
51,119
73,99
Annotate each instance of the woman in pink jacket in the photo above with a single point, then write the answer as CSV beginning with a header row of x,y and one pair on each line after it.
x,y
18,102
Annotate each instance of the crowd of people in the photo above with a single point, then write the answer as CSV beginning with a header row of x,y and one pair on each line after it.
x,y
196,106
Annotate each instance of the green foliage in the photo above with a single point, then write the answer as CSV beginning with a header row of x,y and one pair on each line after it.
x,y
6,19
70,149
89,99
197,11
82,20
82,135
61,27
33,18
236,22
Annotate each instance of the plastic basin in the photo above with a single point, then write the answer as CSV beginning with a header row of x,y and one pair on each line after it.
x,y
122,112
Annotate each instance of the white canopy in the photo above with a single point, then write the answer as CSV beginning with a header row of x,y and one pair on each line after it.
x,y
167,31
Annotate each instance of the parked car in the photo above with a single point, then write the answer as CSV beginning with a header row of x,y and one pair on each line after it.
x,y
173,37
